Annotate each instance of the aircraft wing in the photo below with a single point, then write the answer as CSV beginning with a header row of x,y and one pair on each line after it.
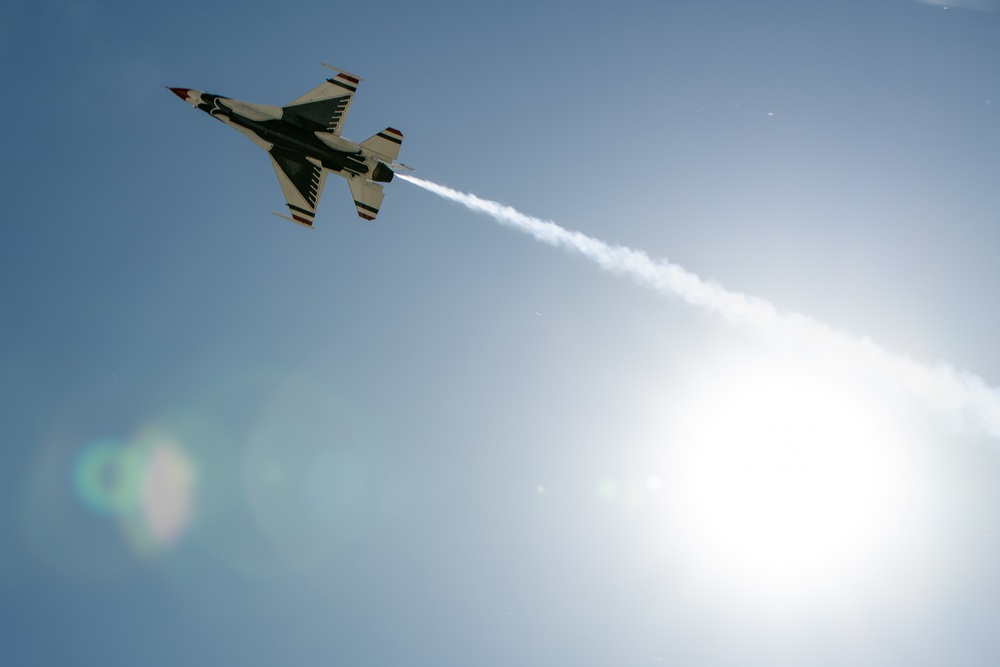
x,y
324,107
301,181
367,197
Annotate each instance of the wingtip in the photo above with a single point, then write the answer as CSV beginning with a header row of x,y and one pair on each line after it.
x,y
298,221
357,79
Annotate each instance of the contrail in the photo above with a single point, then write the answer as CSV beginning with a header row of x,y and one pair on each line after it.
x,y
966,398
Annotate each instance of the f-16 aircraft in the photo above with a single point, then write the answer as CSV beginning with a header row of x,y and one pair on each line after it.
x,y
304,143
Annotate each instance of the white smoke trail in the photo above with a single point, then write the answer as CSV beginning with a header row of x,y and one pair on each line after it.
x,y
966,398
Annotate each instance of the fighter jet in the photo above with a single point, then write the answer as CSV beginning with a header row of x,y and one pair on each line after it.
x,y
304,143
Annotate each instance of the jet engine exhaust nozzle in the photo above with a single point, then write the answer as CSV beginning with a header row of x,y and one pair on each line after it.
x,y
382,173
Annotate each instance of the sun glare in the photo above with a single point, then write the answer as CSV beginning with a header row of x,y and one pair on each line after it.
x,y
786,479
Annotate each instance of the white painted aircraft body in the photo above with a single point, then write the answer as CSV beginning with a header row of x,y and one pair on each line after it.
x,y
304,143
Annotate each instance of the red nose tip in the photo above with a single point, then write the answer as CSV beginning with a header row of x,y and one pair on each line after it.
x,y
181,92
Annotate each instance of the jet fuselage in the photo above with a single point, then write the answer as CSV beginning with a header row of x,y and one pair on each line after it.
x,y
263,124
304,143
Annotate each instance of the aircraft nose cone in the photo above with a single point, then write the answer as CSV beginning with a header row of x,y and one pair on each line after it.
x,y
181,92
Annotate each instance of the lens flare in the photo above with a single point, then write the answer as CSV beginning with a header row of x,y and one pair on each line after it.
x,y
168,497
105,477
308,476
608,489
146,484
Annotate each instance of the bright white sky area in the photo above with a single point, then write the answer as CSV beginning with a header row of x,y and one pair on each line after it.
x,y
431,440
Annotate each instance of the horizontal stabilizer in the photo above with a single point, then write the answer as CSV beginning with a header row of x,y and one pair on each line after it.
x,y
367,197
385,144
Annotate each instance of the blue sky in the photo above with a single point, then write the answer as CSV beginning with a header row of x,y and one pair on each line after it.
x,y
430,440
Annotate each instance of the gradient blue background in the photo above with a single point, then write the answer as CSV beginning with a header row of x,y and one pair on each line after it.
x,y
416,380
